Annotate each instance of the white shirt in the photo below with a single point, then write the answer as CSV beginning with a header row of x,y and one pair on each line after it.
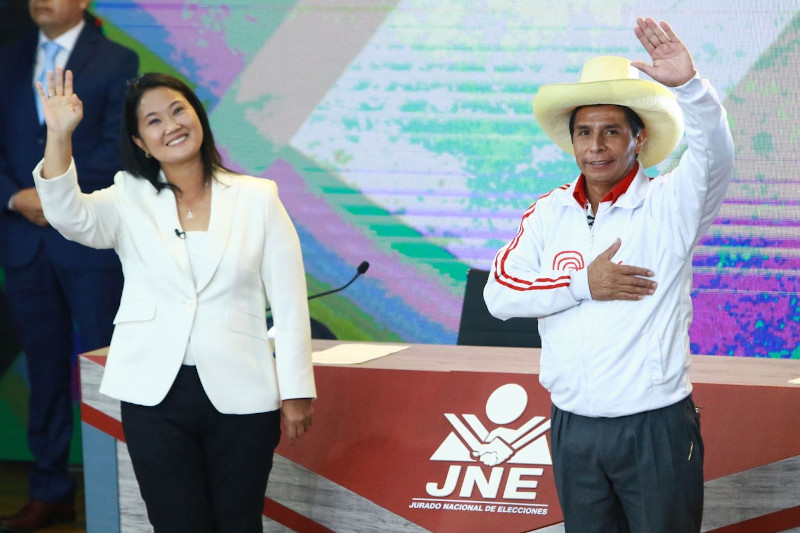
x,y
197,249
66,41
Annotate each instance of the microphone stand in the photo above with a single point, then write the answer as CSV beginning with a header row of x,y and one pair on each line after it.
x,y
361,269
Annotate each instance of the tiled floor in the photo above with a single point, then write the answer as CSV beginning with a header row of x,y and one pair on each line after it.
x,y
14,494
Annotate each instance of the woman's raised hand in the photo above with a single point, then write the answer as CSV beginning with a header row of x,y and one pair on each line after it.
x,y
62,111
61,107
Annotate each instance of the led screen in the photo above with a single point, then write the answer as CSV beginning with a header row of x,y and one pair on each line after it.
x,y
401,132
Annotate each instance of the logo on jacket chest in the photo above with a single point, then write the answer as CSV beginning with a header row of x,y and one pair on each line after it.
x,y
568,260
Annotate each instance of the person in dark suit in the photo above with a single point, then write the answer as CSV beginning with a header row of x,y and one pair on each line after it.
x,y
53,284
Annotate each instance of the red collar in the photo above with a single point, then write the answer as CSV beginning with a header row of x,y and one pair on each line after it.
x,y
619,189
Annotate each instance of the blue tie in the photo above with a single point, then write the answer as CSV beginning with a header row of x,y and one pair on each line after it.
x,y
51,50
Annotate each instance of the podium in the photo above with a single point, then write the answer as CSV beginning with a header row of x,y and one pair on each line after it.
x,y
400,444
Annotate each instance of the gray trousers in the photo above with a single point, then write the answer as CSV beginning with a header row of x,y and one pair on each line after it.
x,y
640,473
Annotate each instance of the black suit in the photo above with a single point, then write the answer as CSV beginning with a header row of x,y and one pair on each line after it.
x,y
53,283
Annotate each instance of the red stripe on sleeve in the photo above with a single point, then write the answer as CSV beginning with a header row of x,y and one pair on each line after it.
x,y
519,284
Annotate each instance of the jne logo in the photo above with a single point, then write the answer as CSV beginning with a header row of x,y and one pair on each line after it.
x,y
509,448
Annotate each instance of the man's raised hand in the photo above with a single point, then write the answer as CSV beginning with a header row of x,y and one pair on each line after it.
x,y
672,63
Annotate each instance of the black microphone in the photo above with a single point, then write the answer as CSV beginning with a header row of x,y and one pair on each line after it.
x,y
360,270
180,234
363,267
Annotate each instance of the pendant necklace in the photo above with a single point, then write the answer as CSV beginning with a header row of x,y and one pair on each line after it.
x,y
189,214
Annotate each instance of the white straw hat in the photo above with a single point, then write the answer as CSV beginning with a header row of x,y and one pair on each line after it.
x,y
612,80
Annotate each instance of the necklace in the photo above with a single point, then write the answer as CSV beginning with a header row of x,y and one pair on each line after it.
x,y
189,214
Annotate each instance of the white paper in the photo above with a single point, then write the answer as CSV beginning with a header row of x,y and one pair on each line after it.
x,y
353,354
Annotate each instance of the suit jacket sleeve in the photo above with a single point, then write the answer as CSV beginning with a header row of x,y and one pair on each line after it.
x,y
284,279
7,186
89,219
16,61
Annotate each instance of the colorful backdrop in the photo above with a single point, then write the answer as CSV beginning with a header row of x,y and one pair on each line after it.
x,y
401,132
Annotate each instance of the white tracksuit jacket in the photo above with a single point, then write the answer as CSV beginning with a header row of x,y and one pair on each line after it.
x,y
615,358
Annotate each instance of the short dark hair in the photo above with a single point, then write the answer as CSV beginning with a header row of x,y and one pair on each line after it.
x,y
134,159
634,121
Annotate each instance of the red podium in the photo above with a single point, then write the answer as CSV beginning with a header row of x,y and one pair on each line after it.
x,y
456,438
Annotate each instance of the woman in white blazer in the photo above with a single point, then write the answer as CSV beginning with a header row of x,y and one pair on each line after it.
x,y
202,249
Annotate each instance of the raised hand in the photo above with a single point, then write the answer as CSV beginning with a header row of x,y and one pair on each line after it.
x,y
672,62
62,111
61,107
611,281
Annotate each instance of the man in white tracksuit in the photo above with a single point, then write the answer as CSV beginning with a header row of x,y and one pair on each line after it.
x,y
605,264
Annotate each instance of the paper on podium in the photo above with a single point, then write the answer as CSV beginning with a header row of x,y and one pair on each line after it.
x,y
353,354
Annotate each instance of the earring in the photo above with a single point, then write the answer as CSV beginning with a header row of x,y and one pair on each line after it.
x,y
147,155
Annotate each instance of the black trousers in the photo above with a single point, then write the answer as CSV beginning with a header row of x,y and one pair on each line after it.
x,y
641,473
200,470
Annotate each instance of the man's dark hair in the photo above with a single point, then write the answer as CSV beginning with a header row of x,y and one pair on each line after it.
x,y
634,122
134,159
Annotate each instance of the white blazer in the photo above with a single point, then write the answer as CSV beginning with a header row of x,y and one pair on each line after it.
x,y
255,255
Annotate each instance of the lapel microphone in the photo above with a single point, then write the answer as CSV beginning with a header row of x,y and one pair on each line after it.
x,y
180,234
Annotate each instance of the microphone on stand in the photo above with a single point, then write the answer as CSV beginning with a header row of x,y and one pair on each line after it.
x,y
360,270
363,267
